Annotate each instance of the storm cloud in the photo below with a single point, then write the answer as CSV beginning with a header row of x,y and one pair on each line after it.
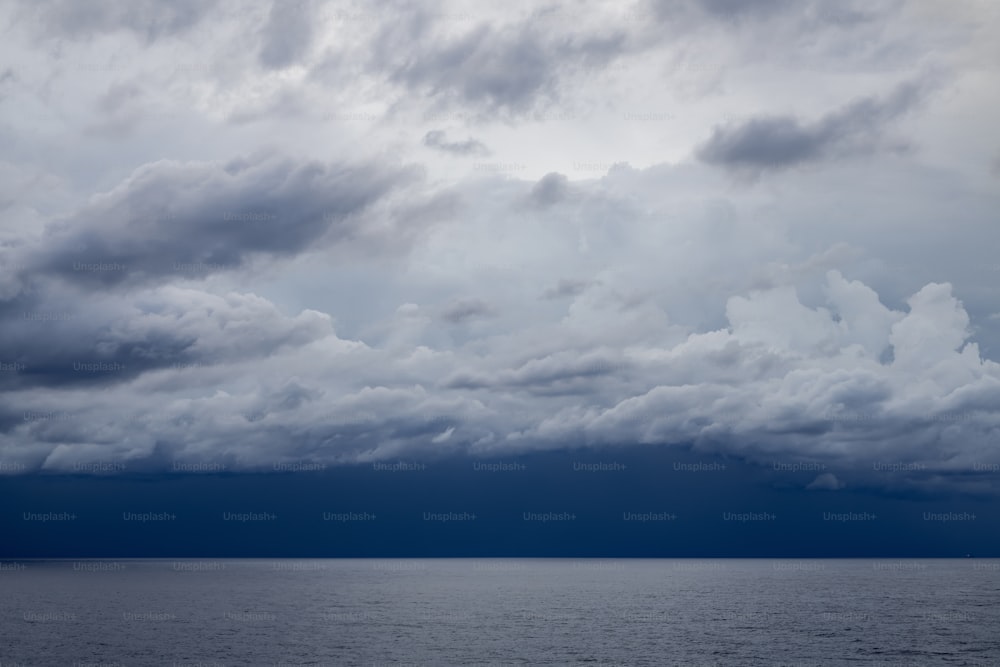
x,y
437,139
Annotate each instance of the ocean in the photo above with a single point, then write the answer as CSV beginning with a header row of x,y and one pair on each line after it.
x,y
500,612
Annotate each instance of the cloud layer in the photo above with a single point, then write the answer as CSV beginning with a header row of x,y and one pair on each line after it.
x,y
343,235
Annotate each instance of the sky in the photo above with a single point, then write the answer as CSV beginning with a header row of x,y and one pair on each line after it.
x,y
283,238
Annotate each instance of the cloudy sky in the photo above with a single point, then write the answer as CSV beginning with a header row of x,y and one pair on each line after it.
x,y
244,233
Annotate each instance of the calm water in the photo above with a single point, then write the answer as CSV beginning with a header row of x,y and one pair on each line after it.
x,y
500,612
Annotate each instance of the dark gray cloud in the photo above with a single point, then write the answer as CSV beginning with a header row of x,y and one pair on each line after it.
x,y
725,10
498,71
559,373
463,310
808,14
777,142
506,70
438,140
190,220
150,19
288,33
